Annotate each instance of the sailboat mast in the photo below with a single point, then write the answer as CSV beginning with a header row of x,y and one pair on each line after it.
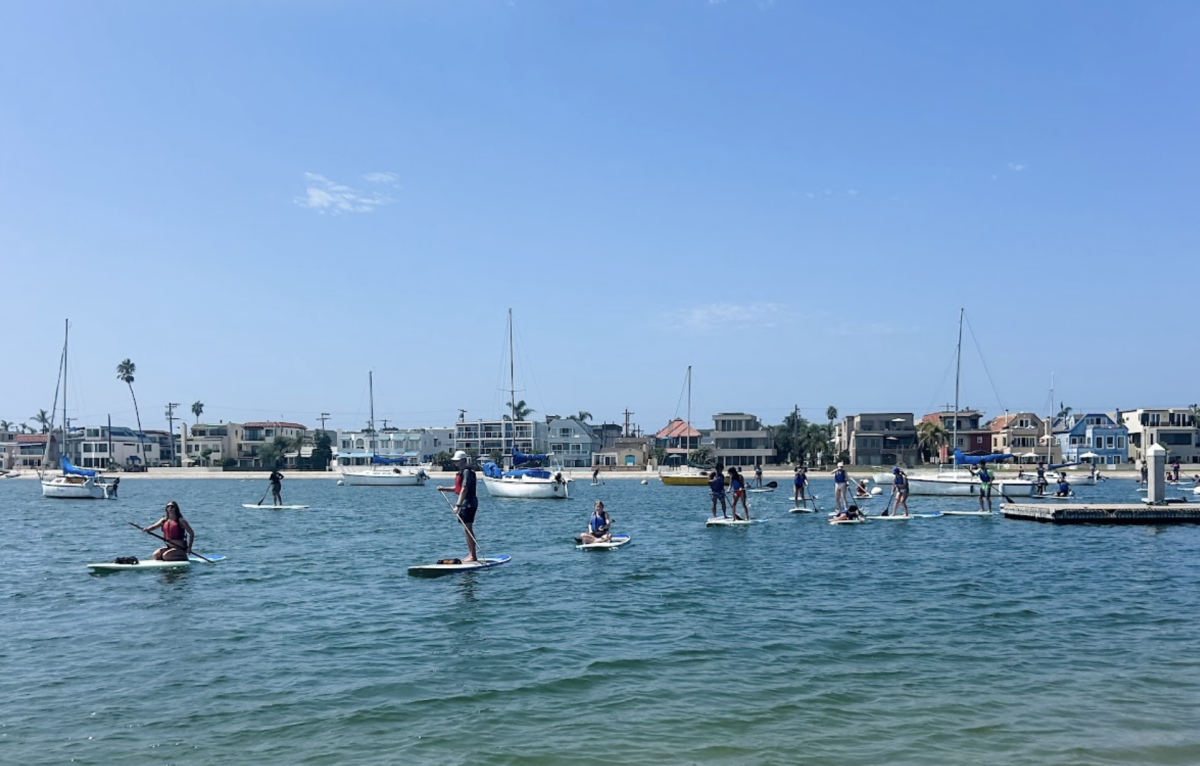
x,y
65,428
687,439
371,395
1050,423
957,378
512,385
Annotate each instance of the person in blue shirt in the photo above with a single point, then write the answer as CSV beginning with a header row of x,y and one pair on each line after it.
x,y
986,478
840,486
799,485
716,485
1064,489
1041,478
899,491
599,526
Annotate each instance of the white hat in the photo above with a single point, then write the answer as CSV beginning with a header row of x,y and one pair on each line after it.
x,y
839,464
460,455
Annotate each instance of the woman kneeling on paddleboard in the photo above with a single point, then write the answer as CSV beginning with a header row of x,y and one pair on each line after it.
x,y
599,526
178,533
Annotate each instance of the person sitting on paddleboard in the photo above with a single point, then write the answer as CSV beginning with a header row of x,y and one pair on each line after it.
x,y
468,502
716,485
985,485
860,489
276,478
1064,488
840,483
599,526
798,485
178,534
737,485
850,514
899,490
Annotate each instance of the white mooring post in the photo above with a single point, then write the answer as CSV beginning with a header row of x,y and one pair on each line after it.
x,y
1156,476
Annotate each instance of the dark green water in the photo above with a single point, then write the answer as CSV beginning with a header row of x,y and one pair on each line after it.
x,y
931,641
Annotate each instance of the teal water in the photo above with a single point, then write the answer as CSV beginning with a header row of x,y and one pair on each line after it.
x,y
931,641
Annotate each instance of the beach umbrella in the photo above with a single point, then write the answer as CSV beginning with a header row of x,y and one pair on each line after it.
x,y
1088,456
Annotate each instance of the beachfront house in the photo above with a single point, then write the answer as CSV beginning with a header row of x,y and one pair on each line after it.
x,y
485,437
973,439
878,438
572,441
412,445
741,439
110,448
679,439
209,444
1093,437
258,434
1024,434
1172,427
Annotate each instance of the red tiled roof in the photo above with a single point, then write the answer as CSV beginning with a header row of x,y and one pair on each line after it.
x,y
676,429
31,438
275,424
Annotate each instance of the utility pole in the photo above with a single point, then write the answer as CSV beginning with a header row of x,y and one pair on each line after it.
x,y
462,416
323,417
627,414
171,428
385,426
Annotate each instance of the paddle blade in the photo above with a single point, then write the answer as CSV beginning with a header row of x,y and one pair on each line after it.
x,y
771,484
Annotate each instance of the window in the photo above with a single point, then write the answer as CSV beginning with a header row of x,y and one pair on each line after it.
x,y
1111,441
564,432
1099,442
1120,442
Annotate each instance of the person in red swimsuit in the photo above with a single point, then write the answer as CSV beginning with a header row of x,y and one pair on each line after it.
x,y
178,533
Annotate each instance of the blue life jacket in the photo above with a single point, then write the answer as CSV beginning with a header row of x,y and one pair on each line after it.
x,y
598,524
839,476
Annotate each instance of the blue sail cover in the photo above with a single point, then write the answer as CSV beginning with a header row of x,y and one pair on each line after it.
x,y
961,459
1058,466
492,470
520,457
70,470
381,460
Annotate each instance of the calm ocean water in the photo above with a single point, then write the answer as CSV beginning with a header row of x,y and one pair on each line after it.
x,y
931,641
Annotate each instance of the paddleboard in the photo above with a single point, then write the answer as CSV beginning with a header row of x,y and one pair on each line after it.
x,y
803,510
616,542
926,515
967,513
762,489
276,507
109,566
846,521
891,517
732,523
437,570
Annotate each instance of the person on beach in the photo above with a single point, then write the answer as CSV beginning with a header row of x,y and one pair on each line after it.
x,y
840,503
1040,480
276,479
899,491
178,534
758,476
986,478
1064,489
850,514
799,484
468,501
737,485
716,486
599,526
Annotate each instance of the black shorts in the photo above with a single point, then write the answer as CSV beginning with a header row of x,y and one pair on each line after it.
x,y
466,514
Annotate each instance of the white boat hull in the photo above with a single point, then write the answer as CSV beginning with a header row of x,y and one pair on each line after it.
x,y
526,488
966,486
62,488
378,477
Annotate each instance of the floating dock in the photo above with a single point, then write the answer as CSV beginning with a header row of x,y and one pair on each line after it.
x,y
1103,513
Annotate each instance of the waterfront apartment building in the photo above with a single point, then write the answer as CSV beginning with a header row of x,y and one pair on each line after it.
x,y
483,437
973,439
258,434
1024,434
209,444
1173,427
103,447
878,438
740,439
412,445
29,451
572,441
1093,437
8,449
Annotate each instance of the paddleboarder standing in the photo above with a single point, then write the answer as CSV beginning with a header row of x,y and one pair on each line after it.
x,y
176,531
716,486
798,485
840,485
758,476
899,490
595,475
599,526
985,485
276,479
468,502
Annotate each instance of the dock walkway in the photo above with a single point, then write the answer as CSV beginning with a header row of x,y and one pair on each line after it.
x,y
1103,513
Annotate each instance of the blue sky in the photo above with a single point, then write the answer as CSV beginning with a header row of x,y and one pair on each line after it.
x,y
258,202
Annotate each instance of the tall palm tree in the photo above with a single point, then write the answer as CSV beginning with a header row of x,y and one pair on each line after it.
x,y
1063,410
931,437
5,426
583,416
125,371
42,418
521,411
197,408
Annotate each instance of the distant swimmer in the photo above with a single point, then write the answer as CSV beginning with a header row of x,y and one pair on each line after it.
x,y
716,486
599,526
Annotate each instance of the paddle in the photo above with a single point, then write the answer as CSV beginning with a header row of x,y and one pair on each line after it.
x,y
887,511
464,525
168,542
264,497
771,485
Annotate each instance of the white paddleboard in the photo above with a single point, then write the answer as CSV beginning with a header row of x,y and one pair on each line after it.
x,y
616,542
891,517
437,570
803,510
967,513
926,515
108,566
762,489
276,507
845,521
732,523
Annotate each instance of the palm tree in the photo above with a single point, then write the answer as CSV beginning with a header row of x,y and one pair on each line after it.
x,y
42,418
197,408
125,371
5,426
1063,411
931,437
583,416
521,411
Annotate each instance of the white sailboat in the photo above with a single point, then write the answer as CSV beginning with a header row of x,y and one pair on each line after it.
x,y
72,483
685,475
531,483
957,479
383,471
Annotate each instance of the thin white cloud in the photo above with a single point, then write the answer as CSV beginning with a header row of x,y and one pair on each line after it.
x,y
727,316
381,178
1018,167
329,197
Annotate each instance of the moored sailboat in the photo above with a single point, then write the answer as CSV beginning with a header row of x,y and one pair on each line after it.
x,y
72,483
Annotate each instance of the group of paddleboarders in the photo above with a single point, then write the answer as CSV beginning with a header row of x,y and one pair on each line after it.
x,y
737,486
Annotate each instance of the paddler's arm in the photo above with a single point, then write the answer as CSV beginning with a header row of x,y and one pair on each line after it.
x,y
155,525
